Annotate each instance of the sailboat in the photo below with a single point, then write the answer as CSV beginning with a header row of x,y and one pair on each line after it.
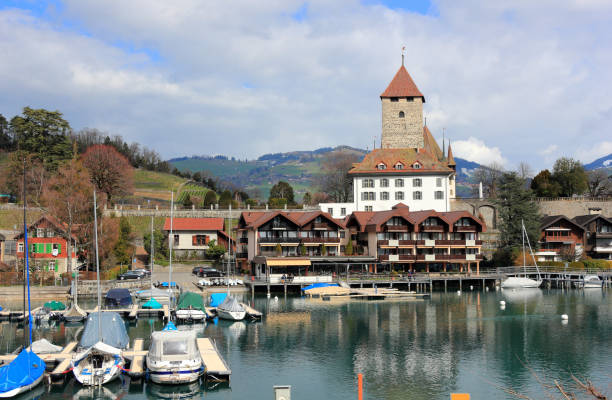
x,y
515,282
27,369
153,298
230,308
98,359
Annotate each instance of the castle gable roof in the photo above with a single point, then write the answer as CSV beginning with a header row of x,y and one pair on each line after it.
x,y
407,156
402,85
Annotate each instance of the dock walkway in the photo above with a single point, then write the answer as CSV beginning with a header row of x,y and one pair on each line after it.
x,y
216,367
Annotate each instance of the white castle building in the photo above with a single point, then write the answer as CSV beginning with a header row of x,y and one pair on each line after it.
x,y
409,167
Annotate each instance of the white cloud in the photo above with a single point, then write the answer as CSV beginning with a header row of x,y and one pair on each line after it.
x,y
476,150
199,77
549,150
590,154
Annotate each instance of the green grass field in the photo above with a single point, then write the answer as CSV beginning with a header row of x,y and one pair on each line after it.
x,y
150,180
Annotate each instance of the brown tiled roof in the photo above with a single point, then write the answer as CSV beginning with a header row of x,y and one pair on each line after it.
x,y
549,220
407,157
194,224
430,145
255,219
450,158
59,225
361,218
402,85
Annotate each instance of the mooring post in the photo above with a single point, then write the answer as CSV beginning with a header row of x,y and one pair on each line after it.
x,y
285,285
460,283
445,285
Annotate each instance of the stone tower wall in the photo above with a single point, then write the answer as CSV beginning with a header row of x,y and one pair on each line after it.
x,y
401,133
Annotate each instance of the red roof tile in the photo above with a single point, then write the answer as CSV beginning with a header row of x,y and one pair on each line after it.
x,y
194,224
402,85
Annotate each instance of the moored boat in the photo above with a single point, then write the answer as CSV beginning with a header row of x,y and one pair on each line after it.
x,y
231,309
592,282
190,307
173,357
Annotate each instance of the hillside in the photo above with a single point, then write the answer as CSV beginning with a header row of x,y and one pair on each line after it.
x,y
603,162
155,186
299,168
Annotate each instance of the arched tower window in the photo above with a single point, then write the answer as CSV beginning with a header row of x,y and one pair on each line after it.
x,y
401,114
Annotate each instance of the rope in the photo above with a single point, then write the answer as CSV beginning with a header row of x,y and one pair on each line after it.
x,y
68,370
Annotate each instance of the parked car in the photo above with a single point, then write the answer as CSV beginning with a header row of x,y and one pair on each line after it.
x,y
143,271
129,275
197,270
210,273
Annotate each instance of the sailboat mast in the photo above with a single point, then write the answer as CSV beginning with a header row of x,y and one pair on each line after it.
x,y
523,237
26,265
97,267
152,255
171,244
229,248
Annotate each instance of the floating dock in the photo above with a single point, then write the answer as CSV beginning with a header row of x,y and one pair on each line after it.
x,y
329,292
215,366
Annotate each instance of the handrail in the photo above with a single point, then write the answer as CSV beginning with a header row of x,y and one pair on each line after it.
x,y
548,269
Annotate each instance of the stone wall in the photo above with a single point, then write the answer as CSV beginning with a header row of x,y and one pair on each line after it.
x,y
400,133
90,288
135,211
571,207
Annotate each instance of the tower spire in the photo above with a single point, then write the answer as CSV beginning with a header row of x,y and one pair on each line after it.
x,y
403,52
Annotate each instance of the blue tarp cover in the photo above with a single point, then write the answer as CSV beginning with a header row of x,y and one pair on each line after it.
x,y
22,371
165,284
169,327
318,285
217,298
152,304
118,298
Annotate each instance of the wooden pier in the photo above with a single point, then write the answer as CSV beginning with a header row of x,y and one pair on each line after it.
x,y
137,358
215,366
61,359
134,311
251,312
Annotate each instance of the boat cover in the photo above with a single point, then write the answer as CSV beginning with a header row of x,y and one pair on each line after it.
x,y
152,304
55,305
99,346
24,370
118,298
113,331
217,298
173,344
44,346
190,301
169,327
318,285
165,284
1,308
75,312
230,304
148,293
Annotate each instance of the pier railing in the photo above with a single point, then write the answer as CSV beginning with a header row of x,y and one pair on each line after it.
x,y
552,270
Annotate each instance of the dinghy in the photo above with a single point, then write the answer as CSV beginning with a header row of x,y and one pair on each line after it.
x,y
173,356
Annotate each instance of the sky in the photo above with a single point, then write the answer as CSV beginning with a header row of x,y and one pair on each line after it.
x,y
506,81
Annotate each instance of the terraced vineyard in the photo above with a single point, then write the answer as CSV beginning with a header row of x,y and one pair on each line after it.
x,y
193,191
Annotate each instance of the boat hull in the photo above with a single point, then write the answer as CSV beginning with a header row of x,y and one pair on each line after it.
x,y
231,315
514,282
167,374
22,389
190,315
97,368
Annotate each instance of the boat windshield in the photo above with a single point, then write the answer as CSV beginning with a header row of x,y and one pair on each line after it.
x,y
175,347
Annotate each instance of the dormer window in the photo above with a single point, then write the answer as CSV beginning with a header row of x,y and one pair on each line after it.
x,y
394,99
401,114
416,165
381,166
399,165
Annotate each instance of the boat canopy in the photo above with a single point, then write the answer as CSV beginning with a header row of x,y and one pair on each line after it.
x,y
55,305
230,304
118,298
169,327
75,312
113,331
24,370
173,345
44,346
148,293
217,298
190,301
165,284
152,304
319,285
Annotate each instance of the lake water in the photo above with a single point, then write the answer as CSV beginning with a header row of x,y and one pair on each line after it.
x,y
406,350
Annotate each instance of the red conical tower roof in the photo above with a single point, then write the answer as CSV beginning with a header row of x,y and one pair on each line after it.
x,y
402,85
451,159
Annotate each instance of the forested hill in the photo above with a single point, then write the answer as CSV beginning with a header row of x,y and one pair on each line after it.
x,y
299,168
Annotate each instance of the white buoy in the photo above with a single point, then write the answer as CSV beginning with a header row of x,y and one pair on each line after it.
x,y
502,303
502,307
564,317
458,292
486,289
268,295
275,298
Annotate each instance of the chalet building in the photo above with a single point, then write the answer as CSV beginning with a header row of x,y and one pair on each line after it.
x,y
598,235
48,247
419,240
191,236
274,243
409,167
561,239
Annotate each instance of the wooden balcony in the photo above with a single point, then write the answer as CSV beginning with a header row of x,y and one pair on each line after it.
x,y
319,226
407,242
471,228
397,228
383,243
432,228
320,240
279,240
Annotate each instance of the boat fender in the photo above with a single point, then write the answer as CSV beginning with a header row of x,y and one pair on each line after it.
x,y
502,303
275,298
564,317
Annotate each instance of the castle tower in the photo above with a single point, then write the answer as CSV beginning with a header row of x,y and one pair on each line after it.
x,y
402,113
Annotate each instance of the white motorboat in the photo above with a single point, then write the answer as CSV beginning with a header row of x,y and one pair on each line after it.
x,y
98,359
592,282
173,357
161,296
230,309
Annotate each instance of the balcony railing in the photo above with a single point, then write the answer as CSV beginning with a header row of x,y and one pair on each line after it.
x,y
243,255
279,240
432,228
383,242
470,228
396,257
320,226
243,240
321,240
397,228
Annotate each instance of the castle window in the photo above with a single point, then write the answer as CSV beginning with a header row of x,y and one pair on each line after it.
x,y
417,182
399,166
399,183
439,182
439,195
399,195
368,208
384,195
394,99
381,166
384,182
401,114
409,98
417,196
368,183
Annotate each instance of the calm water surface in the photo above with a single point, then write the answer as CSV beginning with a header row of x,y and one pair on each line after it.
x,y
406,350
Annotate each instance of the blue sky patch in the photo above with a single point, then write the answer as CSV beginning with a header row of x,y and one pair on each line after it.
x,y
424,7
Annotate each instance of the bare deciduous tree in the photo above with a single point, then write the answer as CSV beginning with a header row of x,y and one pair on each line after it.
x,y
335,180
600,183
110,171
489,176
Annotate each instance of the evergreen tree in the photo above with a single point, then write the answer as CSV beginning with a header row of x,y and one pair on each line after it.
x,y
307,199
515,203
123,248
544,185
225,199
161,250
210,198
187,201
282,190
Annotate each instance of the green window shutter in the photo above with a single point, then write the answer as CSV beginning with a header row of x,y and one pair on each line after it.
x,y
59,248
49,248
55,267
41,248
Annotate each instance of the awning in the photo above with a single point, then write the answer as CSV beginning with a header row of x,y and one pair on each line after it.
x,y
287,262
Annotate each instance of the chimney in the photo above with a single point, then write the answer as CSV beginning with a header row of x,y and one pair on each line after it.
x,y
594,211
